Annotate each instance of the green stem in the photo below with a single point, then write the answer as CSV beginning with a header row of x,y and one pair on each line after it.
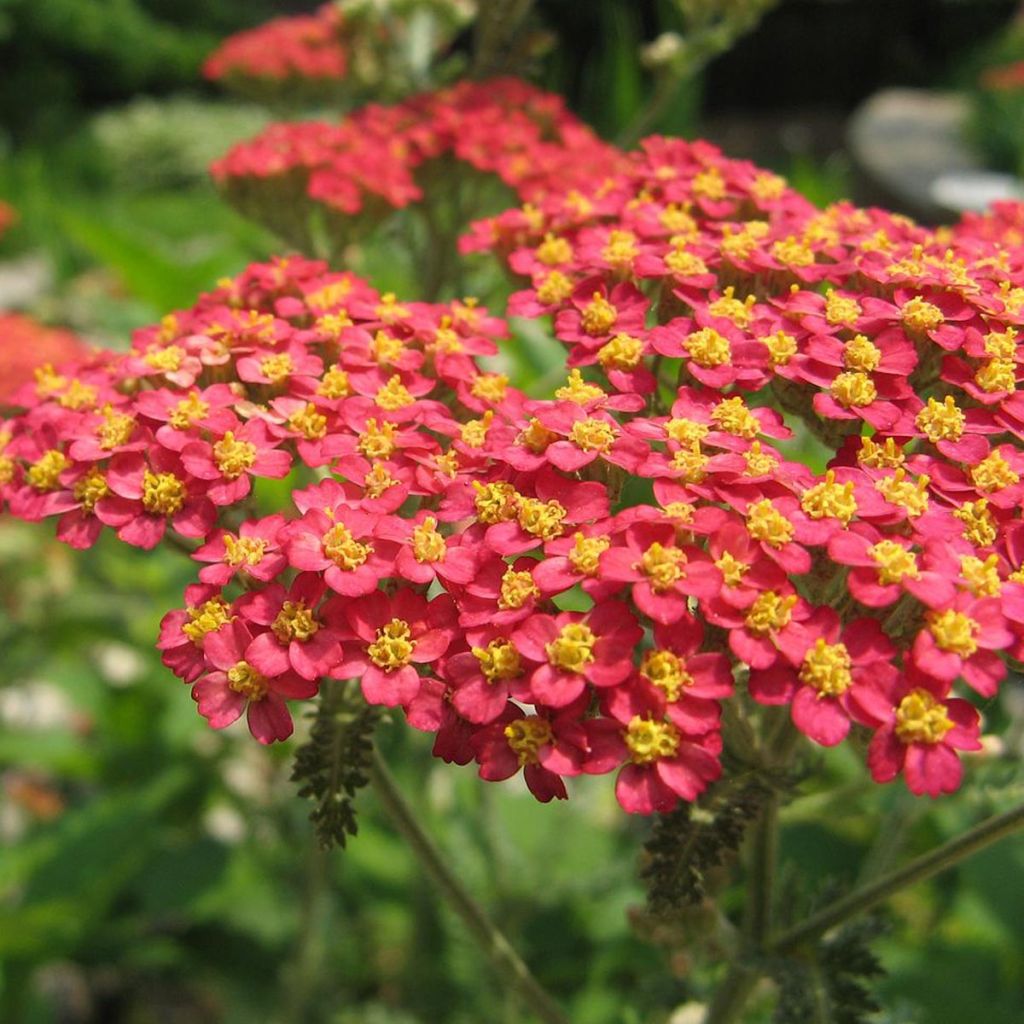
x,y
732,994
918,870
505,960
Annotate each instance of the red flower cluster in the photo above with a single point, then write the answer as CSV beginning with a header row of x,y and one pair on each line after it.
x,y
303,46
368,162
7,217
574,585
1004,78
706,292
25,344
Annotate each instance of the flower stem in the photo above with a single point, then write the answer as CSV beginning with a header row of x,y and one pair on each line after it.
x,y
918,870
505,960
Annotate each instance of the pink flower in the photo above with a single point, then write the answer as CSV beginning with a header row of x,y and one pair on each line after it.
x,y
572,649
227,463
254,552
237,685
385,639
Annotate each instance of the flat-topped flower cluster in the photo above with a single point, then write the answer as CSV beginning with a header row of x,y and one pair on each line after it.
x,y
368,162
309,46
577,584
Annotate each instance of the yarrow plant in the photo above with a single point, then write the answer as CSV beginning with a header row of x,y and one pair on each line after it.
x,y
604,581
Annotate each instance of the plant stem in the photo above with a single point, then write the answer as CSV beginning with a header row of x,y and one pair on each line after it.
x,y
732,995
918,870
505,960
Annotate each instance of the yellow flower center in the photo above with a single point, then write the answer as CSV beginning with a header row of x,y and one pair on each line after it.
x,y
277,368
553,250
733,416
766,523
707,348
650,741
781,347
759,463
941,421
920,718
44,473
979,523
592,435
495,502
880,456
993,473
997,375
910,495
860,354
536,436
244,679
78,396
954,632
666,671
542,519
499,661
731,568
48,381
982,577
294,622
343,549
730,308
526,736
393,647
690,463
378,440
599,316
206,618
770,612
378,480
1001,344
91,489
709,184
793,252
662,566
334,384
578,390
894,562
473,434
554,289
573,649
163,494
393,395
585,553
247,550
308,422
620,249
830,500
920,316
167,360
427,544
517,588
490,387
841,310
188,412
683,263
851,389
385,349
623,352
826,667
233,457
686,432
115,430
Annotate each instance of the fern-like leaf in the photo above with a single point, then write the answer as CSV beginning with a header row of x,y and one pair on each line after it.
x,y
695,838
333,764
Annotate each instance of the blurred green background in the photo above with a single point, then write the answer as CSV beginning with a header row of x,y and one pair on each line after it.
x,y
154,871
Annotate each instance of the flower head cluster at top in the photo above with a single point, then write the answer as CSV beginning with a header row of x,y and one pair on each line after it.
x,y
367,163
7,217
306,46
25,343
577,584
